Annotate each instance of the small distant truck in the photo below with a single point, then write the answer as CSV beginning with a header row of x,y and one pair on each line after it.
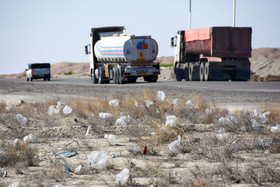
x,y
38,71
121,57
212,54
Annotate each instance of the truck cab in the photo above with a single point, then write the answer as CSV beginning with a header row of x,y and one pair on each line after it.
x,y
38,71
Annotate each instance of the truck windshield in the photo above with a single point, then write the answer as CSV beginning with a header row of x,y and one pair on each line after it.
x,y
36,66
104,34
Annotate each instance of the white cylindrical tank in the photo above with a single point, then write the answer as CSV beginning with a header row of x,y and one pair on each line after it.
x,y
126,48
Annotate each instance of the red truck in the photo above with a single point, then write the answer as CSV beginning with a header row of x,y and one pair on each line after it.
x,y
213,53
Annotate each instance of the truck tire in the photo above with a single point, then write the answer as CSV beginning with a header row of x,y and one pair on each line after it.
x,y
207,71
115,75
100,78
153,78
31,79
186,72
201,72
94,80
120,77
27,79
178,72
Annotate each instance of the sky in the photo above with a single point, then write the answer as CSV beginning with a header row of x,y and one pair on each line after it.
x,y
37,31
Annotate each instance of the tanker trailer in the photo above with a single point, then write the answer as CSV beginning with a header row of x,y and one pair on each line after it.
x,y
121,57
213,53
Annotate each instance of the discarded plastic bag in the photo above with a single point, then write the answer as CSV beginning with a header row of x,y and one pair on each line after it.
x,y
228,120
15,142
110,137
189,103
138,105
67,110
8,108
257,114
29,138
105,115
123,120
275,129
114,103
256,125
175,145
22,120
67,154
122,177
171,120
148,103
175,101
161,96
68,168
97,159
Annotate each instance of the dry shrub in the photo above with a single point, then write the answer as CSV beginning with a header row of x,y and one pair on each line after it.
x,y
21,153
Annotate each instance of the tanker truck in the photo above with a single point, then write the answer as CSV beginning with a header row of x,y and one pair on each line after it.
x,y
121,57
212,54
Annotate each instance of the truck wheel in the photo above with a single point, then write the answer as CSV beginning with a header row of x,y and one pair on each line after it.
x,y
115,76
27,79
201,71
100,79
120,76
31,79
206,71
190,72
186,72
95,81
178,72
151,78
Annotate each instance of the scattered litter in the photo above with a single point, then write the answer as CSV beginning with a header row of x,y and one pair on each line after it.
x,y
97,159
175,101
67,154
148,103
110,137
257,114
105,115
78,169
175,145
67,110
29,138
228,120
3,172
256,125
22,120
189,103
55,109
68,168
275,129
208,111
122,177
144,150
52,110
114,103
123,120
138,105
15,142
88,129
161,96
221,136
15,184
8,108
171,120
113,155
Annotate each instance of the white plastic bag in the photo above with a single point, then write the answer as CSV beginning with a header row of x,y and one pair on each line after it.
x,y
138,105
21,120
114,103
122,177
175,101
257,114
123,120
110,137
67,110
189,103
97,159
148,103
275,129
8,108
15,142
104,115
171,120
256,126
161,96
29,138
228,120
175,145
52,110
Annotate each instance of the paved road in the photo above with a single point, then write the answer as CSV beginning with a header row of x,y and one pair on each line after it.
x,y
224,93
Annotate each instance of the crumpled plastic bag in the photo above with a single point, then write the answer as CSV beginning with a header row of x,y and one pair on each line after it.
x,y
255,124
171,120
29,138
175,101
257,114
104,115
21,120
114,103
138,105
161,96
148,103
67,110
189,103
123,120
275,129
175,145
97,159
55,109
110,137
122,177
228,120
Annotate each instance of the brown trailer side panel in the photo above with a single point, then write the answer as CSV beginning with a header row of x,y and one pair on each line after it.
x,y
230,42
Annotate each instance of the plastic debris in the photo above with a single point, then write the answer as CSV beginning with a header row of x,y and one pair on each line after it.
x,y
110,137
275,129
144,150
67,154
3,172
123,120
15,184
113,155
104,115
256,126
221,136
55,109
171,120
67,110
257,114
8,108
52,110
68,168
189,103
228,120
114,103
208,111
21,120
97,159
122,177
78,169
88,129
148,103
29,138
175,101
15,142
138,105
161,96
175,145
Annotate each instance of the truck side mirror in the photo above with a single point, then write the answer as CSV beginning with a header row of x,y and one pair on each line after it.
x,y
172,42
86,50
